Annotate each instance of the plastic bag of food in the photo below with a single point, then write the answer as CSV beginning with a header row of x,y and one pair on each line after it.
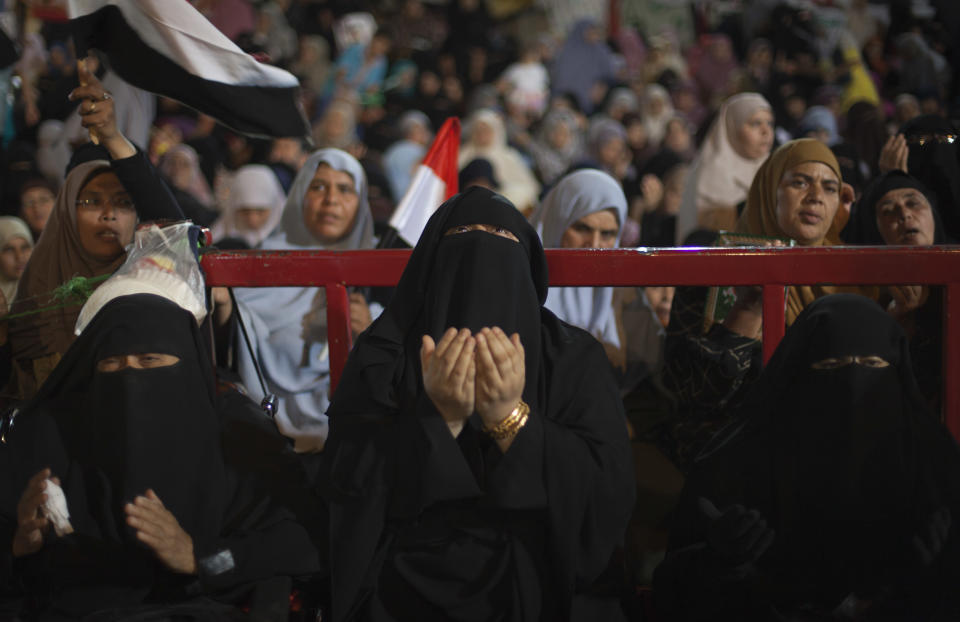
x,y
161,261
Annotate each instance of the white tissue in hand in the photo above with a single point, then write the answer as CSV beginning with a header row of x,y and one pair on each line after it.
x,y
55,508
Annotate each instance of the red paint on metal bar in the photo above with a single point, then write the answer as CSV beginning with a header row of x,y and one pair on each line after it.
x,y
729,266
774,298
951,358
340,338
631,267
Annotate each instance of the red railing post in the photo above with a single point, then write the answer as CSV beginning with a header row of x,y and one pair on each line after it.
x,y
951,358
338,329
774,299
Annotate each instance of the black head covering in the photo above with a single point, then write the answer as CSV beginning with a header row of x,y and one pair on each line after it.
x,y
862,226
935,164
468,280
478,168
110,436
842,458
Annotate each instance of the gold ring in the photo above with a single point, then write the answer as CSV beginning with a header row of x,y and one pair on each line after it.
x,y
93,107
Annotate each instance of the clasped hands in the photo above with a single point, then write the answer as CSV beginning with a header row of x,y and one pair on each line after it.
x,y
155,526
483,372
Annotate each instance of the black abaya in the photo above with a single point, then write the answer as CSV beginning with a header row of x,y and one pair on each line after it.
x,y
841,459
428,526
109,436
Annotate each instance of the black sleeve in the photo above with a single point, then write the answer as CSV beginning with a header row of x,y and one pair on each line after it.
x,y
268,542
150,193
588,462
271,505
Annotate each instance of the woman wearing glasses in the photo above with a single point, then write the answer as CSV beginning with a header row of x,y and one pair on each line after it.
x,y
96,212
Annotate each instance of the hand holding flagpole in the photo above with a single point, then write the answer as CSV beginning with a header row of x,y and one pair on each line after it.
x,y
97,111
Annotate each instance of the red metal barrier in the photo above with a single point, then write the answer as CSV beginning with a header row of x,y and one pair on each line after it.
x,y
772,268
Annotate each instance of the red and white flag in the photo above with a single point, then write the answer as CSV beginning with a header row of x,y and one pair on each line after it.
x,y
434,181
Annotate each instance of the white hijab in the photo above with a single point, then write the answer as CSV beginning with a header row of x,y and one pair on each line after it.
x,y
517,181
720,176
12,227
288,325
576,195
252,186
656,124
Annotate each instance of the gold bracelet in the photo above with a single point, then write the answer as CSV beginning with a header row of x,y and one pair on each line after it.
x,y
510,424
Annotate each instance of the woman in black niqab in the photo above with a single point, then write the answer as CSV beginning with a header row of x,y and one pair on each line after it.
x,y
426,525
110,436
837,489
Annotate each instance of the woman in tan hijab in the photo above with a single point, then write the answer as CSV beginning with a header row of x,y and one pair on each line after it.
x,y
796,195
94,218
738,142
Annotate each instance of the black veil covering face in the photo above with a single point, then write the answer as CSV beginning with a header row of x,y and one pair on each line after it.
x,y
110,436
528,527
838,452
468,280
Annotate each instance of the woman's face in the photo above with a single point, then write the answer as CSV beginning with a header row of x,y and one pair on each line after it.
x,y
330,204
13,258
755,137
596,230
36,204
760,57
678,137
181,170
611,153
482,135
637,135
106,217
904,216
661,299
335,124
251,218
655,106
807,200
560,136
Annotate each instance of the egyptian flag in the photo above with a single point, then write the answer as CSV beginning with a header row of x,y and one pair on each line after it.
x,y
169,48
434,182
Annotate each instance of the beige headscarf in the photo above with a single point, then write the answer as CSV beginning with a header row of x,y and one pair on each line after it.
x,y
58,256
517,182
252,186
719,175
760,215
12,227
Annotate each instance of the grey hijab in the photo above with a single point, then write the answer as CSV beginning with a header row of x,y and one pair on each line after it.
x,y
576,195
291,228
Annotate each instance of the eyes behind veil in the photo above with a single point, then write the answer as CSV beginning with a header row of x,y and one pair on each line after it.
x,y
502,232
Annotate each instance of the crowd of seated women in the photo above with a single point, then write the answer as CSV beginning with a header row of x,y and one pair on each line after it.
x,y
496,449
